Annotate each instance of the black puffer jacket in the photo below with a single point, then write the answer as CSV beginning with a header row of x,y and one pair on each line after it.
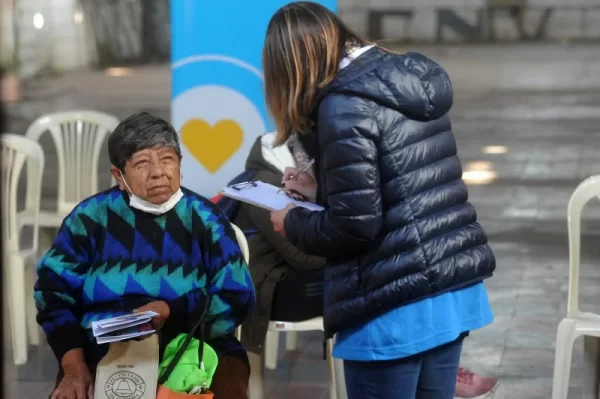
x,y
398,227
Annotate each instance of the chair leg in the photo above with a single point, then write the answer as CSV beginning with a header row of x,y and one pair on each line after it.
x,y
340,381
15,284
291,341
562,360
333,377
271,349
331,367
256,389
591,367
32,325
336,370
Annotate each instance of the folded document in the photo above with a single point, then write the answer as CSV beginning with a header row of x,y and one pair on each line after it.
x,y
122,328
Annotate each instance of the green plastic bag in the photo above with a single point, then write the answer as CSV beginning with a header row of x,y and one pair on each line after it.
x,y
189,371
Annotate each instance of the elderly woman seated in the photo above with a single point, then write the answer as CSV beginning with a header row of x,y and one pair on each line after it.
x,y
147,244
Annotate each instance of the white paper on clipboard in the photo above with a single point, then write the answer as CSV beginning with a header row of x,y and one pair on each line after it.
x,y
265,196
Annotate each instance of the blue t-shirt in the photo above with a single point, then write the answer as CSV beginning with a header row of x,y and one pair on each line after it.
x,y
416,328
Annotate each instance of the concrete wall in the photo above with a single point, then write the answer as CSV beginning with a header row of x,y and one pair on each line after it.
x,y
6,33
64,41
563,24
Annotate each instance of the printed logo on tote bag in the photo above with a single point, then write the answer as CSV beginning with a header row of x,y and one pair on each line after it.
x,y
125,385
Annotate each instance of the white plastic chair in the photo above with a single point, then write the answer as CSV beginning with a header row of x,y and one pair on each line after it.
x,y
256,386
577,323
291,330
292,340
78,137
336,377
243,243
18,151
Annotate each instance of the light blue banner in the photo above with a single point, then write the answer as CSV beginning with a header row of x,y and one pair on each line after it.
x,y
217,89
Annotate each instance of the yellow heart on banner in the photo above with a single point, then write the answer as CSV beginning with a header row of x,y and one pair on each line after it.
x,y
212,145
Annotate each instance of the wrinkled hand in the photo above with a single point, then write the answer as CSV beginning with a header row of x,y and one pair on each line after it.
x,y
159,307
278,218
76,384
305,184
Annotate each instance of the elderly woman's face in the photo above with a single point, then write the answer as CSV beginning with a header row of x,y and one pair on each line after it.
x,y
153,174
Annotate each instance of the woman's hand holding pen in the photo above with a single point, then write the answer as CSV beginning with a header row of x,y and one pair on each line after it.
x,y
296,181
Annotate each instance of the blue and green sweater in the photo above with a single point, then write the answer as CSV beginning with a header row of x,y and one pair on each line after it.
x,y
109,259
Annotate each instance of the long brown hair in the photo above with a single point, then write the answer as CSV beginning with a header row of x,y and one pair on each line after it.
x,y
304,46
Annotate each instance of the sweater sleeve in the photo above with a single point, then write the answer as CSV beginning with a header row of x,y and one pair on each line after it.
x,y
350,160
229,283
61,273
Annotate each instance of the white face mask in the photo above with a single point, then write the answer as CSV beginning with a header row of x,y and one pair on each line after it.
x,y
155,209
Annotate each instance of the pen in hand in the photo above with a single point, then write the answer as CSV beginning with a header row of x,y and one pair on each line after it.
x,y
295,177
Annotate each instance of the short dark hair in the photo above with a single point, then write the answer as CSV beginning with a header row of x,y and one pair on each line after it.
x,y
138,132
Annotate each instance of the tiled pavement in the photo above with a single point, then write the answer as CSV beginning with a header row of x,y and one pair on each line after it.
x,y
541,103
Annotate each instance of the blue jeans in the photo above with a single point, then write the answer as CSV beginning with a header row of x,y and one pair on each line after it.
x,y
427,375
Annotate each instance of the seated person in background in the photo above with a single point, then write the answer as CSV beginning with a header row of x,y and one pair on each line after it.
x,y
146,244
289,283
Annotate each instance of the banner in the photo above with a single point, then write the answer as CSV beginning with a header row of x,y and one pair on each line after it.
x,y
218,103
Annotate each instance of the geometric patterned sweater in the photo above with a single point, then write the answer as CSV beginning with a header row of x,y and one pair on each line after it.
x,y
109,259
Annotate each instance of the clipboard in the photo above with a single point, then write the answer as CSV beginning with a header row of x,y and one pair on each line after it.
x,y
265,196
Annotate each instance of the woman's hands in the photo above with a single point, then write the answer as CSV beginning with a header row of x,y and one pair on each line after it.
x,y
278,218
77,382
302,183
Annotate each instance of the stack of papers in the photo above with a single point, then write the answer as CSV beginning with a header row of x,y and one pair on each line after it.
x,y
123,327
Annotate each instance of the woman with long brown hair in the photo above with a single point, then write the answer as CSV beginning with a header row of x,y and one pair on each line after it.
x,y
406,256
